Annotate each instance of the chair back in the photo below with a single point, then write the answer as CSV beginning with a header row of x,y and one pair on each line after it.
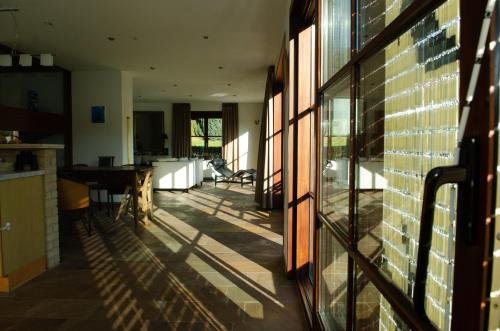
x,y
106,161
72,195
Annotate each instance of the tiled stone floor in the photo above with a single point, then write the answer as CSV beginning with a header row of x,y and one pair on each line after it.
x,y
210,260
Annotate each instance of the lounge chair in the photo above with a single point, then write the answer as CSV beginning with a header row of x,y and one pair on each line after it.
x,y
222,174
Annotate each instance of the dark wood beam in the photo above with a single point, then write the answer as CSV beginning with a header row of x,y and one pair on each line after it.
x,y
31,121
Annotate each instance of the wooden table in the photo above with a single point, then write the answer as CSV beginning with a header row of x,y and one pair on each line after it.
x,y
137,179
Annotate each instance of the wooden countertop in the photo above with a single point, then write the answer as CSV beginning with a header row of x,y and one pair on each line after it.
x,y
8,175
31,146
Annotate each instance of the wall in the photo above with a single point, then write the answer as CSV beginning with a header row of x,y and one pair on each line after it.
x,y
14,87
249,131
112,89
249,134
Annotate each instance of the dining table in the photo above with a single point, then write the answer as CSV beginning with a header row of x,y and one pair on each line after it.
x,y
134,180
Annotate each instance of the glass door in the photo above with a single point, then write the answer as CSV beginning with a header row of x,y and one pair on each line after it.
x,y
389,257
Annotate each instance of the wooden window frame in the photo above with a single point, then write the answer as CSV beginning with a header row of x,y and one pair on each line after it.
x,y
471,13
206,115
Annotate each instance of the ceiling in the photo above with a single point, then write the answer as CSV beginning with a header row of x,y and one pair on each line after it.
x,y
244,38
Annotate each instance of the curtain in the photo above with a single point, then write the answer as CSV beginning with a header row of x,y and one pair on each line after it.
x,y
230,133
264,181
181,140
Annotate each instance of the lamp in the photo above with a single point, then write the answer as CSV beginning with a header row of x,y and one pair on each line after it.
x,y
46,60
5,60
25,60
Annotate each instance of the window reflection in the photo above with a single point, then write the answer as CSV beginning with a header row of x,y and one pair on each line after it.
x,y
333,281
335,36
407,121
375,15
335,125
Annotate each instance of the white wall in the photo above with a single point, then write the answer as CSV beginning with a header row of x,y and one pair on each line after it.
x,y
248,131
112,89
249,134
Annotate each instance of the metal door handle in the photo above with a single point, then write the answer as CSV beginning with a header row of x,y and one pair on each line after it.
x,y
465,176
7,227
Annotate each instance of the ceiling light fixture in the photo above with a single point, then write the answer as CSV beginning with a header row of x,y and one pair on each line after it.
x,y
218,95
5,60
46,60
25,60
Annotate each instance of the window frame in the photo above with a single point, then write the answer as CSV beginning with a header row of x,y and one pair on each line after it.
x,y
464,255
206,115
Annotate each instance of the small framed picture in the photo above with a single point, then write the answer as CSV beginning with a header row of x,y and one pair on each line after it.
x,y
98,114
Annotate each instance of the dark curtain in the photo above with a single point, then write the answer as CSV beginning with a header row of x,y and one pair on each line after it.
x,y
263,192
230,135
181,140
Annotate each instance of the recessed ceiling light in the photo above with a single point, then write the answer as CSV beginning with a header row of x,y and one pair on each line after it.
x,y
152,68
111,38
205,37
221,68
218,95
229,84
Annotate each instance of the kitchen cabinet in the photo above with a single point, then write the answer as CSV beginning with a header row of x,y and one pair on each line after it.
x,y
22,235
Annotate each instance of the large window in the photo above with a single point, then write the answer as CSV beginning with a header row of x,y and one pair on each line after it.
x,y
206,134
398,243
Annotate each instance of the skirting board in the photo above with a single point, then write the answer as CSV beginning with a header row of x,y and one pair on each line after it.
x,y
24,274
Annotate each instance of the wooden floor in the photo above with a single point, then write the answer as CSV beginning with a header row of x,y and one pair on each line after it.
x,y
209,261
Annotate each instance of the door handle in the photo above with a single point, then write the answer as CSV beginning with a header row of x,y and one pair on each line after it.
x,y
464,175
6,228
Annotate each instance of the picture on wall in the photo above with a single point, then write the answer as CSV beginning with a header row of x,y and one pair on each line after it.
x,y
98,114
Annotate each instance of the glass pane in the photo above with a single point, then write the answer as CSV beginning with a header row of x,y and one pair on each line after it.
x,y
335,113
215,127
215,147
335,36
198,127
333,281
373,312
197,146
407,123
375,15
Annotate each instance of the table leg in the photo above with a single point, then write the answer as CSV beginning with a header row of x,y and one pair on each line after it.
x,y
135,196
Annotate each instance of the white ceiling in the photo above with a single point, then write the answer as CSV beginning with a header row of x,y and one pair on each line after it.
x,y
244,37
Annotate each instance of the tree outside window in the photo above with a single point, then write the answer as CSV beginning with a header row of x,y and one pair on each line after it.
x,y
206,134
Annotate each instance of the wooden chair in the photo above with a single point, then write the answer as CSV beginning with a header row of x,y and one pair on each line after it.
x,y
73,197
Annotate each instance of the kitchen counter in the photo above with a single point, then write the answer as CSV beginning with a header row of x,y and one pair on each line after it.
x,y
31,146
7,175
